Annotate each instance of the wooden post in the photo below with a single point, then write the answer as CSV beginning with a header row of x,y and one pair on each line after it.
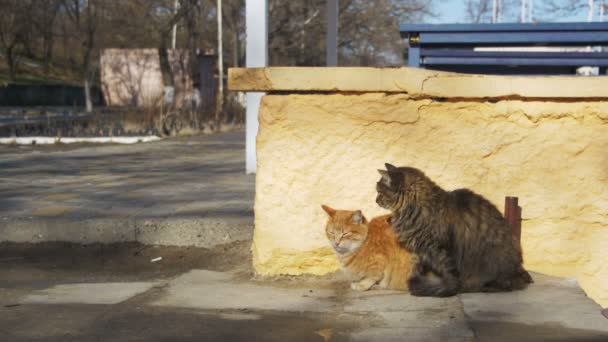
x,y
513,216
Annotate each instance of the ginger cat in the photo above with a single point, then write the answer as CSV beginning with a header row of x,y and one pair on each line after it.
x,y
368,251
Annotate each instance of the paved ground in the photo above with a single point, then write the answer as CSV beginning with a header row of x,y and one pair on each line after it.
x,y
193,191
67,292
157,193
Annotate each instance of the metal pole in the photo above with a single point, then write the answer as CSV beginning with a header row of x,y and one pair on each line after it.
x,y
523,11
175,4
494,11
602,9
331,45
220,63
256,14
590,11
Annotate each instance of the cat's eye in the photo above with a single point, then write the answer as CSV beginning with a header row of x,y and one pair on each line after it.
x,y
347,234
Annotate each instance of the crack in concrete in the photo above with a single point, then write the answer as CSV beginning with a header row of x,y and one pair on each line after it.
x,y
502,146
389,122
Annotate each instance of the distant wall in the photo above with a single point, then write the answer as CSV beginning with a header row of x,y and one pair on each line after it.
x,y
46,95
134,77
131,77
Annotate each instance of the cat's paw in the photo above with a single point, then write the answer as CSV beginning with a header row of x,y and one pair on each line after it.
x,y
360,286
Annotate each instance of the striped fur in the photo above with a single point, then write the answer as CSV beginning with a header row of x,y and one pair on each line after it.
x,y
458,235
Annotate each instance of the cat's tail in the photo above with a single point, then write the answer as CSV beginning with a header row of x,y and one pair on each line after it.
x,y
430,285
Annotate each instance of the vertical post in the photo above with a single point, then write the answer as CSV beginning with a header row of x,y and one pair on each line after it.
x,y
207,85
413,52
513,216
602,9
494,11
523,11
257,56
530,9
590,11
331,43
174,35
220,64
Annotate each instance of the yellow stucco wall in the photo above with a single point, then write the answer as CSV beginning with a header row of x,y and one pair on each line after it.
x,y
325,148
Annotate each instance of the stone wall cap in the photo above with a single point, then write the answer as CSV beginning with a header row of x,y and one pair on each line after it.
x,y
413,81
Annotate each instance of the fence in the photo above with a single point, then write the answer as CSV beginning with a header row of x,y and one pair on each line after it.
x,y
46,95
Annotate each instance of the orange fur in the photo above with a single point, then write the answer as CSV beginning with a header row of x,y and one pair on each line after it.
x,y
368,251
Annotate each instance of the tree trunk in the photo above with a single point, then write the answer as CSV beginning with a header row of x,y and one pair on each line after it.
x,y
87,77
48,44
48,34
12,65
235,47
64,42
87,65
87,95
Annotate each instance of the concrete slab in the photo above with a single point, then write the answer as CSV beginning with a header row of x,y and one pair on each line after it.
x,y
68,322
398,334
404,317
550,301
392,315
210,290
388,301
98,293
229,305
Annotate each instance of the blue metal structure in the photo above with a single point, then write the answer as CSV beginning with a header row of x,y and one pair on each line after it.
x,y
452,47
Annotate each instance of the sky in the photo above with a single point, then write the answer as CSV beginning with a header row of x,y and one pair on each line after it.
x,y
452,11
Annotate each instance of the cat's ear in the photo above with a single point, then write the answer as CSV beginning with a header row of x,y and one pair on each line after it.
x,y
390,167
386,177
330,211
358,217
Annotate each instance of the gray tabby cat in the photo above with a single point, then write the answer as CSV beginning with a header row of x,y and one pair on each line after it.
x,y
458,235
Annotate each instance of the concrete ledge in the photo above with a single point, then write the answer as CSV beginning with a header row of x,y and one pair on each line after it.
x,y
416,82
197,232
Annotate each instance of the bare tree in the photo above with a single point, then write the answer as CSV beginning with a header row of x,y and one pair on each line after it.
x,y
44,16
478,11
564,8
234,12
369,33
84,16
13,32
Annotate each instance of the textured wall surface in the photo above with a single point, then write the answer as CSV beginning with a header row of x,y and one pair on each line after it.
x,y
324,149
